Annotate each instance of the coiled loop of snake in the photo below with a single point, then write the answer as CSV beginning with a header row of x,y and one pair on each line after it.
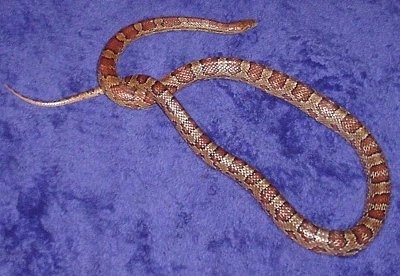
x,y
136,94
142,91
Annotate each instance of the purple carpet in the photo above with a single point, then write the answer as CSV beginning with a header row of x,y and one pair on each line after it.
x,y
97,189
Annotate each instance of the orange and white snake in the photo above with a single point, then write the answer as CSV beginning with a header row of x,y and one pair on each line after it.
x,y
140,91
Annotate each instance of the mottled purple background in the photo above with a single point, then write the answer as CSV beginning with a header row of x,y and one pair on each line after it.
x,y
96,189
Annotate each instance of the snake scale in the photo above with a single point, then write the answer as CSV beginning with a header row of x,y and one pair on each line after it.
x,y
140,91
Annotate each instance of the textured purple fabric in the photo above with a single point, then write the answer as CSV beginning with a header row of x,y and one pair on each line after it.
x,y
97,189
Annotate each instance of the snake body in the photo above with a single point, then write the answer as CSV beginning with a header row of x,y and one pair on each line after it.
x,y
140,91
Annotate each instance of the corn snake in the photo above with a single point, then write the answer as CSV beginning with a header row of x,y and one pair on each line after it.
x,y
140,91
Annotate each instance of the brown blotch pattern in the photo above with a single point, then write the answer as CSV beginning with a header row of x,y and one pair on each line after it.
x,y
171,22
107,66
337,240
277,80
255,71
130,32
115,45
362,233
369,146
327,107
210,66
377,214
284,212
268,194
350,124
148,25
302,92
185,74
203,141
254,178
379,199
308,230
379,173
236,165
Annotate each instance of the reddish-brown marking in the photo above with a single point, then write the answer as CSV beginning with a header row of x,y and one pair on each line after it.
x,y
148,25
220,153
337,240
307,230
149,99
302,92
277,80
236,165
203,141
379,173
187,130
130,32
363,233
267,195
172,89
255,71
327,107
287,97
129,79
158,88
142,79
171,111
284,212
184,74
380,199
114,45
350,124
107,66
254,178
335,127
209,66
312,113
171,22
369,145
377,214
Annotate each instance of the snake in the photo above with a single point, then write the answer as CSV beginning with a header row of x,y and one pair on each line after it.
x,y
142,91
